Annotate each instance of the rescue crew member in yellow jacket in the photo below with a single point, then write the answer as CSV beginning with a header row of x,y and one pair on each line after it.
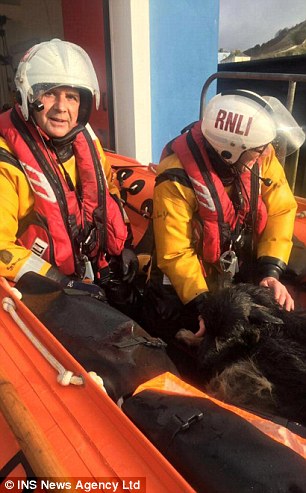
x,y
223,209
60,211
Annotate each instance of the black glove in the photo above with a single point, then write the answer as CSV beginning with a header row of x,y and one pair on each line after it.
x,y
129,264
71,284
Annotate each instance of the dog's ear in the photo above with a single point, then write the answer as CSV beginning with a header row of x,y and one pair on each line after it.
x,y
260,314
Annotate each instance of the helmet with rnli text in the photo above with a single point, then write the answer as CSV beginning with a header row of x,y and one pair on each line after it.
x,y
237,121
52,64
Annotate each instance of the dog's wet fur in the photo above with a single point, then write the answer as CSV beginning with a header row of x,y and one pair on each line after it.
x,y
253,353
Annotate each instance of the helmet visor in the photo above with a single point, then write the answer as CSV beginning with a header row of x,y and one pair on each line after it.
x,y
38,90
289,135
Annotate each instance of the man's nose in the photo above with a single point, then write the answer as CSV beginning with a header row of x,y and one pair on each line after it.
x,y
60,102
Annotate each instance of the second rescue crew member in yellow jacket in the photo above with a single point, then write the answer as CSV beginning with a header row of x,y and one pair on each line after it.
x,y
210,183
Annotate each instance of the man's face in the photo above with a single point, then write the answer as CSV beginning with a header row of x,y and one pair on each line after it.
x,y
250,157
60,113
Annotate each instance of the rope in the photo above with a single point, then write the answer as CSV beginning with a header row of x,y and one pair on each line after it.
x,y
65,377
99,381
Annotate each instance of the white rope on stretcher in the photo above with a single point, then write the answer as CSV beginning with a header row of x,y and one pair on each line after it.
x,y
65,377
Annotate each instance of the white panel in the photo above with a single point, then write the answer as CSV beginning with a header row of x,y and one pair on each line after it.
x,y
141,76
122,68
129,26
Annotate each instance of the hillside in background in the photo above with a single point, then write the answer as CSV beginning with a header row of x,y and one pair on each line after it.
x,y
288,41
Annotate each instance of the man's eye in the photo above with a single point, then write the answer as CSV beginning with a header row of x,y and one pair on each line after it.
x,y
73,97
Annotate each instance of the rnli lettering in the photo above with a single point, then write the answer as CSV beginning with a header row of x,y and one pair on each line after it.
x,y
233,122
39,247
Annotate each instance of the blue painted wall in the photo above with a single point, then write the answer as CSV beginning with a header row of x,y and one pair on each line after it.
x,y
184,53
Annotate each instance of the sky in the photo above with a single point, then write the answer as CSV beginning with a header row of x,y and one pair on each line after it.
x,y
245,23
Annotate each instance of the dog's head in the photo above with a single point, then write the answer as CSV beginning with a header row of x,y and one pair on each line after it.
x,y
234,318
230,310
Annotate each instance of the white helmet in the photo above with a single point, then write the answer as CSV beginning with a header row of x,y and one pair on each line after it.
x,y
240,120
52,64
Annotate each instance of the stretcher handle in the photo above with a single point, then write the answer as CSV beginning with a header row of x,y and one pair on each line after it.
x,y
30,437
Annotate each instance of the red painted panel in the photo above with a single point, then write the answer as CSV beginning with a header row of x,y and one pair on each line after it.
x,y
86,24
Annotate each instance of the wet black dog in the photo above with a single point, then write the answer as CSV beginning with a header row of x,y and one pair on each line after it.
x,y
253,354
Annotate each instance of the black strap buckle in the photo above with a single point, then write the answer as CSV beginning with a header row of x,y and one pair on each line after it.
x,y
145,341
187,417
180,422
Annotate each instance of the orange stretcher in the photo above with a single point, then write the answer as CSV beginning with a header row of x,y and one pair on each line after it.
x,y
66,432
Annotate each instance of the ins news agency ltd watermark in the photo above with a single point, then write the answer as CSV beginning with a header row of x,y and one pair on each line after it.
x,y
111,485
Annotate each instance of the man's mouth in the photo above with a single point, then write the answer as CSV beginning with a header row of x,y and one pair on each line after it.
x,y
57,120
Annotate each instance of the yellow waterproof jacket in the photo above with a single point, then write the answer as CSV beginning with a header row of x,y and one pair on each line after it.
x,y
175,205
17,201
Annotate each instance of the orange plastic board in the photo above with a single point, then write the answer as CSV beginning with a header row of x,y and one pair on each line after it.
x,y
88,434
